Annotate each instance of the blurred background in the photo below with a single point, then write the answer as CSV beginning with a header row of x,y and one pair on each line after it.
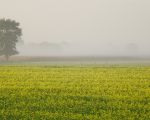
x,y
81,27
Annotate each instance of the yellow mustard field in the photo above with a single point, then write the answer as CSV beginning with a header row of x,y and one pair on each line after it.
x,y
74,93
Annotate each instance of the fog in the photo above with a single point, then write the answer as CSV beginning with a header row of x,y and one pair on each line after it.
x,y
81,27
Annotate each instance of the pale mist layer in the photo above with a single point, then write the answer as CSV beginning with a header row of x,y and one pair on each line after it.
x,y
77,49
81,27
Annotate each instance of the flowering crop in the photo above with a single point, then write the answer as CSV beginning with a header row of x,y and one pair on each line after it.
x,y
74,93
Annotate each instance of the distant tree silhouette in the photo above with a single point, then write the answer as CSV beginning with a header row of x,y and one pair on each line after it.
x,y
10,33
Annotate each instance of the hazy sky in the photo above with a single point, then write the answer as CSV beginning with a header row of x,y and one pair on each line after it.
x,y
102,26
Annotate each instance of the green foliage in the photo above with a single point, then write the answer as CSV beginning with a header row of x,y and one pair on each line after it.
x,y
9,36
74,93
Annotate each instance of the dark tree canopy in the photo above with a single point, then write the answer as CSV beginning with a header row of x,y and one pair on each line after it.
x,y
10,33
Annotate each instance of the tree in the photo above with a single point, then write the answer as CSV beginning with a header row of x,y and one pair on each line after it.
x,y
10,33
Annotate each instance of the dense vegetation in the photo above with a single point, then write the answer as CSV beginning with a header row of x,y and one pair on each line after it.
x,y
74,93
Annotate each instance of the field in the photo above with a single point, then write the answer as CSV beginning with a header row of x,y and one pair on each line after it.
x,y
74,92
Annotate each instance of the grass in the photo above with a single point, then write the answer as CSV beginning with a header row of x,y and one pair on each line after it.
x,y
74,93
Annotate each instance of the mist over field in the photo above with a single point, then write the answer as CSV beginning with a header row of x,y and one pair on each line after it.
x,y
70,49
81,27
74,59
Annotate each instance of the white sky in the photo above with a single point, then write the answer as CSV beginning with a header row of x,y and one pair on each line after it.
x,y
88,24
